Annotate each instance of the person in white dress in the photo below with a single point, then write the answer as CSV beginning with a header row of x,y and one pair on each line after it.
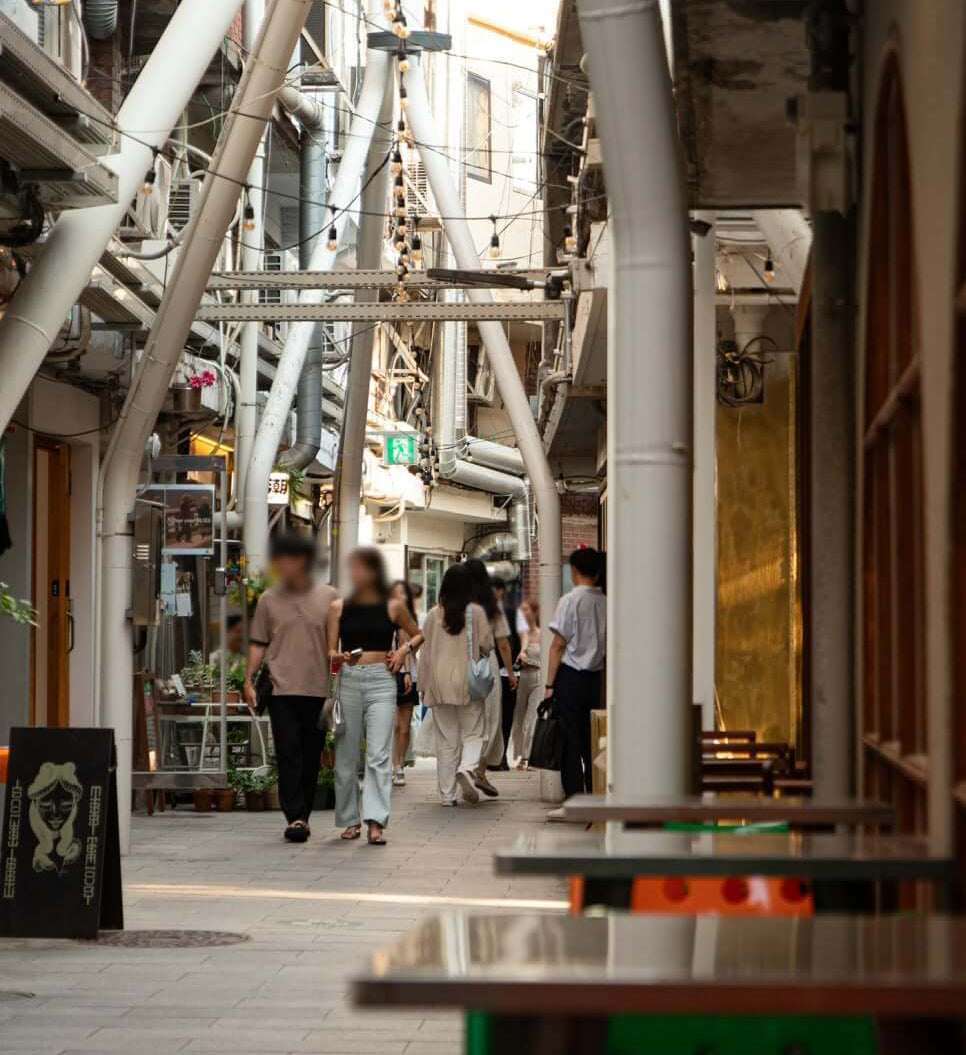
x,y
529,688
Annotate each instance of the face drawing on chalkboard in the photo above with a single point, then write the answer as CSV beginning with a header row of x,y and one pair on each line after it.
x,y
54,795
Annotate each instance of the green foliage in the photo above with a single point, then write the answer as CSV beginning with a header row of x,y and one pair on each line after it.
x,y
197,673
246,591
235,674
20,611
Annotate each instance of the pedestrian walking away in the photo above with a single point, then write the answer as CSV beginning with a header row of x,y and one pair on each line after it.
x,y
530,685
288,634
577,652
455,630
407,694
362,629
484,595
508,691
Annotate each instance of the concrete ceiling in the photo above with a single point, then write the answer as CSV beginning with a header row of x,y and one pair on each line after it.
x,y
737,62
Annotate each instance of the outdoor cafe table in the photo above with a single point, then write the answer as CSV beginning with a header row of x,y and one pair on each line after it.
x,y
581,985
798,813
854,871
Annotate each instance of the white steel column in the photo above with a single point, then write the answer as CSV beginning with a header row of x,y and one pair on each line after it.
x,y
355,413
253,243
650,403
76,241
705,522
508,380
251,108
343,199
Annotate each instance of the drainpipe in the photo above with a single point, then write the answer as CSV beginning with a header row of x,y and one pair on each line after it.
x,y
292,359
78,238
508,379
355,408
312,212
251,108
789,239
649,412
252,249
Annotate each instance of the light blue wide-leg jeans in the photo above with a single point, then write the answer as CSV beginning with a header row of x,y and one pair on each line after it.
x,y
367,694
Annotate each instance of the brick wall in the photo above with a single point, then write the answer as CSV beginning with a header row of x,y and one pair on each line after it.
x,y
578,527
104,74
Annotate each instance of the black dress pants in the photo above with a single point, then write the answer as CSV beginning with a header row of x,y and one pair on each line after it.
x,y
298,750
577,693
508,703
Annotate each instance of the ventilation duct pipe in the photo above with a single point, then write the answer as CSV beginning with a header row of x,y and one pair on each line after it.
x,y
100,18
520,528
77,240
789,239
489,547
290,363
462,472
495,455
251,108
508,380
649,414
312,190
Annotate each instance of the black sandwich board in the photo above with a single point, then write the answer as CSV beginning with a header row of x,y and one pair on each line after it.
x,y
61,854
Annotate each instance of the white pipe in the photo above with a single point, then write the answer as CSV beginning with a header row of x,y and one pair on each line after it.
x,y
649,411
78,239
289,368
789,238
483,479
355,407
495,455
508,379
251,108
253,244
705,544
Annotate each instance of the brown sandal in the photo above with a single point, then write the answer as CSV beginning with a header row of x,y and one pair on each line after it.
x,y
354,831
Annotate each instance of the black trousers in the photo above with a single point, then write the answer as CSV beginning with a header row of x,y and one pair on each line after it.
x,y
508,703
577,693
298,751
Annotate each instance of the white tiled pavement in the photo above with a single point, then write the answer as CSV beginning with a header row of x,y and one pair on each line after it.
x,y
313,913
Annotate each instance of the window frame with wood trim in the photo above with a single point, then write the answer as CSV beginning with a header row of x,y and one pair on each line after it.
x,y
893,711
475,154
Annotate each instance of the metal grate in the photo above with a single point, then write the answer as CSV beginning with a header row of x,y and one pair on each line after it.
x,y
181,202
169,939
419,198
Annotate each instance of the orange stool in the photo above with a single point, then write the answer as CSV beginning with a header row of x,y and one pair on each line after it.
x,y
4,759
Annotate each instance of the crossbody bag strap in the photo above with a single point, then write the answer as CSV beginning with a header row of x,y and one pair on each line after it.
x,y
469,632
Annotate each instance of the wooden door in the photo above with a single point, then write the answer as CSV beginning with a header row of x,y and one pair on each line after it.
x,y
52,636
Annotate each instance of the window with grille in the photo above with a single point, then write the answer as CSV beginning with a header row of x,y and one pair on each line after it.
x,y
894,698
479,162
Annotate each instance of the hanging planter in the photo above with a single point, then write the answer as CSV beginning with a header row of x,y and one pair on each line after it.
x,y
185,399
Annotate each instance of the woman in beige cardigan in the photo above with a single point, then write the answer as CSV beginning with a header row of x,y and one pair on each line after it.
x,y
443,663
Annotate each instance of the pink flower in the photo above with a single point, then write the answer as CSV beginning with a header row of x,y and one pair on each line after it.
x,y
203,380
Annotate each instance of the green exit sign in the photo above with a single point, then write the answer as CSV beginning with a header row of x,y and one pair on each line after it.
x,y
401,449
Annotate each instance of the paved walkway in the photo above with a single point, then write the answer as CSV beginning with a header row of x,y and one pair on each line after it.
x,y
313,913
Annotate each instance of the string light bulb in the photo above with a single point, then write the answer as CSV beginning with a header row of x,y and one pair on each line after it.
x,y
149,177
333,243
403,61
570,243
396,163
399,187
400,211
403,97
494,241
417,249
769,274
249,224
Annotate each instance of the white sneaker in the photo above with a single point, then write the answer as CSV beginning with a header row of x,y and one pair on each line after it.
x,y
399,778
465,781
557,816
448,802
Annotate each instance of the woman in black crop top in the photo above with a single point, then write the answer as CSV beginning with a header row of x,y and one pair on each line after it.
x,y
361,632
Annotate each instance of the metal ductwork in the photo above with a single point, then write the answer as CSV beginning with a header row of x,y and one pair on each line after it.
x,y
312,191
495,455
100,18
462,472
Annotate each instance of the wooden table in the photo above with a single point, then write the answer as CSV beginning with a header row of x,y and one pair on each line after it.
x,y
798,813
553,982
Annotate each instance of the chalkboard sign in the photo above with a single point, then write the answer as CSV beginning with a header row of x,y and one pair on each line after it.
x,y
61,861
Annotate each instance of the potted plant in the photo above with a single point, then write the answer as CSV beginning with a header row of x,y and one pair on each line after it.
x,y
325,789
235,680
225,797
251,786
198,676
203,799
271,789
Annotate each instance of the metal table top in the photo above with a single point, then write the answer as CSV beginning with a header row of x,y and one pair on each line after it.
x,y
797,812
579,965
623,854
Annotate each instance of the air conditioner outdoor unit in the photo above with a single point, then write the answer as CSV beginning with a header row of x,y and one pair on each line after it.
x,y
419,198
182,201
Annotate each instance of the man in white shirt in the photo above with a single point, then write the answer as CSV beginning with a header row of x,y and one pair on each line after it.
x,y
574,670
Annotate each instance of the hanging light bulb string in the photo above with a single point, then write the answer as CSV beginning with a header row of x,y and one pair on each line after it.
x,y
494,241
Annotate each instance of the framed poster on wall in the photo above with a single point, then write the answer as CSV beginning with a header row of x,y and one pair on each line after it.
x,y
189,511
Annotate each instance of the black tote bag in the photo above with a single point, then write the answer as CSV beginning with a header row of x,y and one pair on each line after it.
x,y
545,750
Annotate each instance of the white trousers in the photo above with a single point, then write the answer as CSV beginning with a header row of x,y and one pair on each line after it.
x,y
459,741
492,754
